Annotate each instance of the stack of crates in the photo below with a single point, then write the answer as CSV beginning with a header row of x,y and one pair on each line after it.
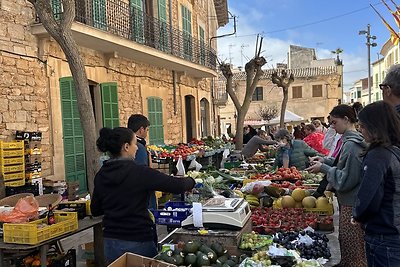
x,y
12,163
33,154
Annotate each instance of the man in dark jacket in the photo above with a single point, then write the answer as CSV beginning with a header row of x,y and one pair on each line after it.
x,y
139,124
391,87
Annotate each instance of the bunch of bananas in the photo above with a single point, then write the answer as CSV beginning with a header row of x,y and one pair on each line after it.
x,y
253,201
156,148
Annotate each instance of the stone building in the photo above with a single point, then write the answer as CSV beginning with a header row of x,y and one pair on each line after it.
x,y
141,56
317,88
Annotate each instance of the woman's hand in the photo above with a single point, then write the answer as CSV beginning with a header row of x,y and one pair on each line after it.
x,y
315,167
317,158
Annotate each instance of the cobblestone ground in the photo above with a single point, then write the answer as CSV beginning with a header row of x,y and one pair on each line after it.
x,y
87,236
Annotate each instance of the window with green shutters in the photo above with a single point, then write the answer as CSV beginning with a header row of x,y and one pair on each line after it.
x,y
74,146
137,22
187,32
99,14
57,8
109,102
202,45
162,17
156,129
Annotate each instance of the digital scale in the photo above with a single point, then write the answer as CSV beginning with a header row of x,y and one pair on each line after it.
x,y
220,213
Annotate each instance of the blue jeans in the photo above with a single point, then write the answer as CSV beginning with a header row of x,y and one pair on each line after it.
x,y
114,248
382,250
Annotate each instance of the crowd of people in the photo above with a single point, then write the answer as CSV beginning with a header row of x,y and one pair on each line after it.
x,y
358,151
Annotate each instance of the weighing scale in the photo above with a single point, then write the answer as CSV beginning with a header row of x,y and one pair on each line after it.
x,y
221,213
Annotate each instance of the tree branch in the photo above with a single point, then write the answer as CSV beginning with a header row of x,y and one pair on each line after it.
x,y
45,13
68,15
227,72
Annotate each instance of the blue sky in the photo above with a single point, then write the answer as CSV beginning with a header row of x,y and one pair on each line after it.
x,y
329,25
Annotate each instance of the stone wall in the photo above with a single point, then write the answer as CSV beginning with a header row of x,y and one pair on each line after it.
x,y
29,85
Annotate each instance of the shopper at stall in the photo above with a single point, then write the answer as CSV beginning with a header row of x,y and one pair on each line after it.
x,y
314,139
391,87
318,126
249,133
256,143
377,205
292,152
139,124
121,193
344,175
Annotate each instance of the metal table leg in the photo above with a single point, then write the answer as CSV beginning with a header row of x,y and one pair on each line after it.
x,y
43,255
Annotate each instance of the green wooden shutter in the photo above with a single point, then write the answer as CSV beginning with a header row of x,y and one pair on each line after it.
x,y
57,8
187,32
99,14
74,146
162,17
202,46
137,22
155,115
109,102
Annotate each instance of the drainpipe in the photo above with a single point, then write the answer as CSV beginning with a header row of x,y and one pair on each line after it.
x,y
174,89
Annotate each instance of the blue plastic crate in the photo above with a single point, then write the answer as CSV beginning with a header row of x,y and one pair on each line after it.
x,y
172,217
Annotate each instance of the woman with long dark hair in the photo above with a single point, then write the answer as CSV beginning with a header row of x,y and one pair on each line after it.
x,y
377,205
121,193
344,174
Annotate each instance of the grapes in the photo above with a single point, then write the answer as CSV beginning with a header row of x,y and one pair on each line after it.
x,y
319,248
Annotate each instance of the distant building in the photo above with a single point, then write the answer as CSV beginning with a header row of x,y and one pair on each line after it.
x,y
317,88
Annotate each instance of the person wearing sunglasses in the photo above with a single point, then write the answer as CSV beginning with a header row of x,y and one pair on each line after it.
x,y
391,87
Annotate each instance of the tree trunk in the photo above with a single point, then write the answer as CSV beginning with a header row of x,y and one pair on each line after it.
x,y
283,107
239,130
60,30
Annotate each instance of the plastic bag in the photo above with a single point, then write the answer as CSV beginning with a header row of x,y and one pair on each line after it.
x,y
180,167
26,208
195,165
255,187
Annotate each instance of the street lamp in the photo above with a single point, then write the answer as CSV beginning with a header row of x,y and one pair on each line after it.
x,y
369,43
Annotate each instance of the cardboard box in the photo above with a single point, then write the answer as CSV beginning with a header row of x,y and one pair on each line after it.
x,y
134,260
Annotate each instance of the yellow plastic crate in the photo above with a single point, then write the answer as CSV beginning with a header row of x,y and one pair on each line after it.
x,y
11,153
15,183
31,233
328,211
12,168
13,176
11,145
12,161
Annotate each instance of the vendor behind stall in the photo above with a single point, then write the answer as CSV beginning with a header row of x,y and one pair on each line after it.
x,y
256,143
292,152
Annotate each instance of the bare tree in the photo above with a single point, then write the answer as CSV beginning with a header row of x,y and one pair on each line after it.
x,y
267,113
60,30
283,80
253,75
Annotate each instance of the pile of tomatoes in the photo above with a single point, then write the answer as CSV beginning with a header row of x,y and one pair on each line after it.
x,y
286,174
269,221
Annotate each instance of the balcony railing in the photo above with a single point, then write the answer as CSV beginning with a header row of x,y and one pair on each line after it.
x,y
125,20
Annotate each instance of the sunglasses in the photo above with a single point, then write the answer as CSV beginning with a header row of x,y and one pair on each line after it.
x,y
383,86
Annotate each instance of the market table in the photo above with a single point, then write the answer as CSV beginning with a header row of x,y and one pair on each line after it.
x,y
87,223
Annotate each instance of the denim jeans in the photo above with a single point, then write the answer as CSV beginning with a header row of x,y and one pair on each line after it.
x,y
382,250
114,248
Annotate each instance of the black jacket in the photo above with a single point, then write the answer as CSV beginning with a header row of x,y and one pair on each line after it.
x,y
377,205
121,193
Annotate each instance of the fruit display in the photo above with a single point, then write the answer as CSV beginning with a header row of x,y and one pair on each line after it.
x,y
318,247
253,241
253,201
269,221
311,178
286,174
258,158
196,253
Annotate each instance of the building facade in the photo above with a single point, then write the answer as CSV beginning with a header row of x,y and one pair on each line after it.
x,y
141,56
317,88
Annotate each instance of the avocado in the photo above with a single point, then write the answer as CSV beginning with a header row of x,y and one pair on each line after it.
x,y
235,259
216,265
209,252
179,260
171,260
202,260
230,263
243,257
190,259
222,259
217,247
191,247
273,191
